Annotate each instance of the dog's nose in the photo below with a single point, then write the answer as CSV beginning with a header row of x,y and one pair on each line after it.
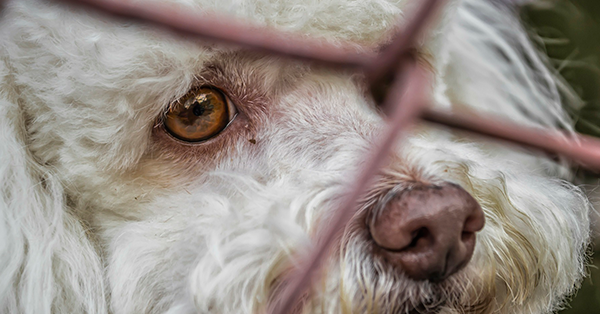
x,y
428,231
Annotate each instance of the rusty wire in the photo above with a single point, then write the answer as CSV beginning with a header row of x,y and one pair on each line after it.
x,y
405,98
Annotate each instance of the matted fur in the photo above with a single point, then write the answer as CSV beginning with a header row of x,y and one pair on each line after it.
x,y
102,212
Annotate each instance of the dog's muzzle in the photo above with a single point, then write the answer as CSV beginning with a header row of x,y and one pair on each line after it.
x,y
427,231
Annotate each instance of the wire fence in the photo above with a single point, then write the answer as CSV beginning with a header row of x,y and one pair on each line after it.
x,y
397,82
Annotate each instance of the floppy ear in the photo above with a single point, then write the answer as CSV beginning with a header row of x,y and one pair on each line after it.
x,y
47,262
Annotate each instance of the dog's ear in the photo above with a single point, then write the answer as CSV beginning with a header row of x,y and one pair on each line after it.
x,y
47,262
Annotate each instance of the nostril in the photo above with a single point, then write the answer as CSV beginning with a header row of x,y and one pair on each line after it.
x,y
467,236
422,239
419,235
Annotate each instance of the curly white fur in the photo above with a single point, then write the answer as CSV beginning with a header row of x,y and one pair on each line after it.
x,y
100,213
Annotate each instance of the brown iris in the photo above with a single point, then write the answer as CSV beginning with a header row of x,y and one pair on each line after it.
x,y
198,116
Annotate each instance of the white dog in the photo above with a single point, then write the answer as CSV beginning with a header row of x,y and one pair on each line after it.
x,y
144,173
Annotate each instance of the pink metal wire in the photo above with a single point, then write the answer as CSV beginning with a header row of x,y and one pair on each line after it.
x,y
406,99
226,29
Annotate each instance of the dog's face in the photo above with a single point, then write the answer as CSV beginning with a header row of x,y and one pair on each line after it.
x,y
201,172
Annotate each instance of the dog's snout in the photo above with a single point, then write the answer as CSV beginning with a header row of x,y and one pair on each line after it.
x,y
428,231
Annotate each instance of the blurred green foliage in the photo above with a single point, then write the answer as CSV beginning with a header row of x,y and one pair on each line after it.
x,y
569,31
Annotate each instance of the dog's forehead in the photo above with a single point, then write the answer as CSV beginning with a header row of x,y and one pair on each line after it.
x,y
357,21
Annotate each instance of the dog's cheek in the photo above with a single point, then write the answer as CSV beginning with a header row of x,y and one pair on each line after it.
x,y
147,266
226,235
530,222
530,254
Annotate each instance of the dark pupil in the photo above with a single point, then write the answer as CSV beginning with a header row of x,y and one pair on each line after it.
x,y
198,109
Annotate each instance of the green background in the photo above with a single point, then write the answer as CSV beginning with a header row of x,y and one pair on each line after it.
x,y
569,31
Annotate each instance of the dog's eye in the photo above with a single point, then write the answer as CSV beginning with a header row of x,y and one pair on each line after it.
x,y
199,115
